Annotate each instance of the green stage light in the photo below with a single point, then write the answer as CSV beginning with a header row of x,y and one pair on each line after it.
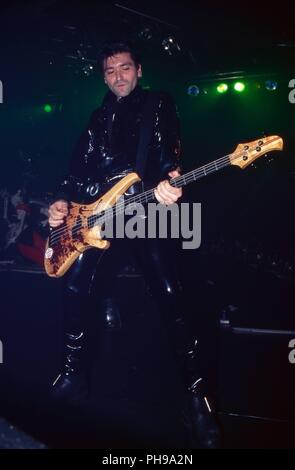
x,y
239,86
47,108
222,88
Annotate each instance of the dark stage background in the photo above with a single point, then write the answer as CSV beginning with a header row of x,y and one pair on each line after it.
x,y
239,284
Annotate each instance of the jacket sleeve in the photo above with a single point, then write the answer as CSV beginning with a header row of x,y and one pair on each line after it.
x,y
168,135
82,161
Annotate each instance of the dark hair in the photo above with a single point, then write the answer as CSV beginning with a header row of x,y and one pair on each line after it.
x,y
115,47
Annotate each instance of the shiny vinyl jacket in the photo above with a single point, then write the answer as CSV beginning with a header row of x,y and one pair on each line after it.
x,y
108,146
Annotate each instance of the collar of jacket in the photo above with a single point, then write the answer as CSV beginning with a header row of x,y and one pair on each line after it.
x,y
110,97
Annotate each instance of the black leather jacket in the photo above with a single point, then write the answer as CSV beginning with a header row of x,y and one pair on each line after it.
x,y
108,146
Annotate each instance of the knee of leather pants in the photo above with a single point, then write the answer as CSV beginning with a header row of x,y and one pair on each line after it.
x,y
110,314
77,285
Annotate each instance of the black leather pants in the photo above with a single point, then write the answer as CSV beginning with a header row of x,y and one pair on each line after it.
x,y
158,267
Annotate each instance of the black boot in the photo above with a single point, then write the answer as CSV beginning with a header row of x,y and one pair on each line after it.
x,y
205,431
71,386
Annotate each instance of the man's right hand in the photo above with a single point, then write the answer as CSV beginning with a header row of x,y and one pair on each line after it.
x,y
57,212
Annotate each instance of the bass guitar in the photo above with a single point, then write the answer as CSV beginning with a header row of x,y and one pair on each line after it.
x,y
82,227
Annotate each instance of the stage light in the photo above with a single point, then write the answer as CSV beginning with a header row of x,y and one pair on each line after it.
x,y
88,69
239,87
193,90
146,34
47,108
222,88
271,85
170,45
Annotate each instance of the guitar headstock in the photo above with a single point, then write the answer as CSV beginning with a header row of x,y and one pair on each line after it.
x,y
247,153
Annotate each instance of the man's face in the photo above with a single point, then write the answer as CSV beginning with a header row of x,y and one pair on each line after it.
x,y
121,74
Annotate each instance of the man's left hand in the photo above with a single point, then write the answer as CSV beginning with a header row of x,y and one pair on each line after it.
x,y
167,194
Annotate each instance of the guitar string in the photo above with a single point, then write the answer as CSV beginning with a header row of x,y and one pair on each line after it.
x,y
100,219
201,169
146,195
103,218
193,175
119,208
187,178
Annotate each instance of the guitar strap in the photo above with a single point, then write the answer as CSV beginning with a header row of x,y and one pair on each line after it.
x,y
149,111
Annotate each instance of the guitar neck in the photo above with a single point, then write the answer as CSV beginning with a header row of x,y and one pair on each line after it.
x,y
199,173
183,180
